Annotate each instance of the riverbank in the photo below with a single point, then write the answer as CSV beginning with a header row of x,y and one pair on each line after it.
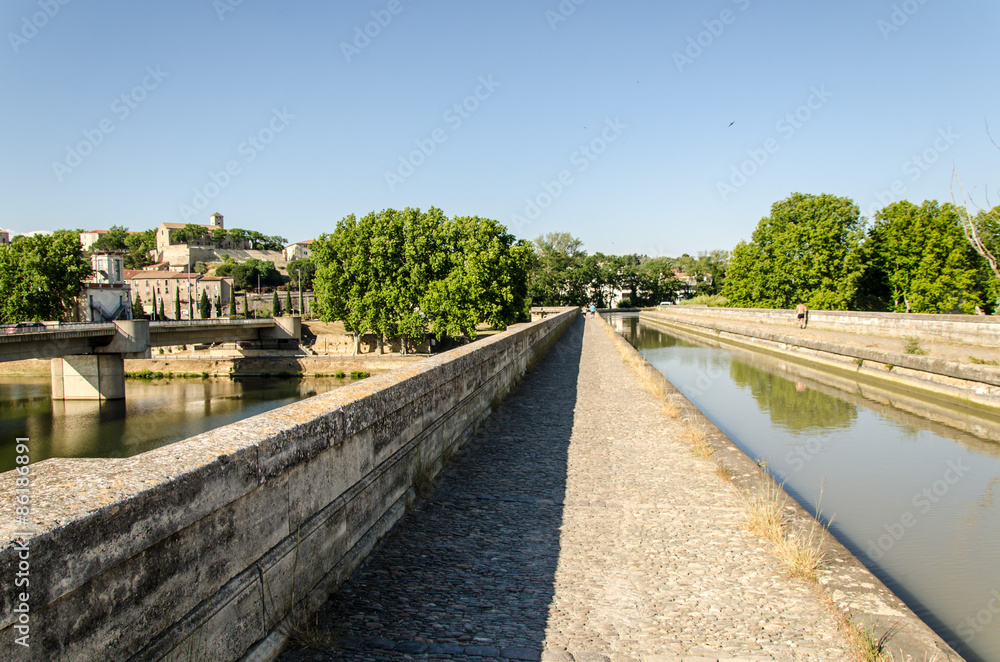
x,y
844,580
904,351
180,366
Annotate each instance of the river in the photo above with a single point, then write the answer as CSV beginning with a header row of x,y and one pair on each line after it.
x,y
912,485
154,413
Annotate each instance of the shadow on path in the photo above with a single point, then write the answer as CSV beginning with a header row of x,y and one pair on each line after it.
x,y
470,571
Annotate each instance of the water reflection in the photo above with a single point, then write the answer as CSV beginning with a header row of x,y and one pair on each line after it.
x,y
913,483
153,414
792,405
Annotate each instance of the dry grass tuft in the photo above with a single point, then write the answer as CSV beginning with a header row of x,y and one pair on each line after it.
x,y
803,557
304,633
724,473
765,512
695,435
871,648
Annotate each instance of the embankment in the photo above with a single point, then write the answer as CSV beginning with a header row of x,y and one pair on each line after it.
x,y
215,547
848,341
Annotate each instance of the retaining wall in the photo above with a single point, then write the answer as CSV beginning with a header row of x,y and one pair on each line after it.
x,y
966,329
210,548
975,384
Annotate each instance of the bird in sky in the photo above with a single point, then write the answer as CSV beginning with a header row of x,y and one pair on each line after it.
x,y
732,123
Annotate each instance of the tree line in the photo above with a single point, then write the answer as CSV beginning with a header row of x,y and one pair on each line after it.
x,y
561,273
819,250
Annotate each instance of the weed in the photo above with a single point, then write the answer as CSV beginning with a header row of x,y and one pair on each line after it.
x,y
695,435
859,361
982,361
871,648
305,634
911,345
724,472
360,374
889,366
765,513
340,374
144,375
671,409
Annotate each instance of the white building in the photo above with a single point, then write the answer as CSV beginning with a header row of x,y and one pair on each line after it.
x,y
106,297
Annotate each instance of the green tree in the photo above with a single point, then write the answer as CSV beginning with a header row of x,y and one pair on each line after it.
x,y
233,308
288,301
924,258
138,311
40,276
113,240
306,268
556,274
140,246
204,307
275,305
177,303
218,306
162,315
481,278
808,250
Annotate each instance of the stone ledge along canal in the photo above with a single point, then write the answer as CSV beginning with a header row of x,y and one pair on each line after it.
x,y
912,485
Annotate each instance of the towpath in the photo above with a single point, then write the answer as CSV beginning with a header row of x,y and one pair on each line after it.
x,y
575,526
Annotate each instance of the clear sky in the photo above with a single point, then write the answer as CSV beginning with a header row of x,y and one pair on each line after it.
x,y
621,122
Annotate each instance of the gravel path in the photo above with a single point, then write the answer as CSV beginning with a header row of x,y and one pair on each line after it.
x,y
576,527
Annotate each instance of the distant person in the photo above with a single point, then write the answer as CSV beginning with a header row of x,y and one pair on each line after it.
x,y
802,314
979,311
593,310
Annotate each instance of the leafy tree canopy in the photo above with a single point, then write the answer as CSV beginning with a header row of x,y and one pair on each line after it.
x,y
40,276
808,250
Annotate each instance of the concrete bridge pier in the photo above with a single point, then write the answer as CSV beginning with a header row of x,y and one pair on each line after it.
x,y
101,376
89,377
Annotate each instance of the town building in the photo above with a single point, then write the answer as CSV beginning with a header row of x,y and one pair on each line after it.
x,y
4,238
152,287
298,251
105,296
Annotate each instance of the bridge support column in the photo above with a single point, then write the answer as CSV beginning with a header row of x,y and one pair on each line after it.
x,y
89,377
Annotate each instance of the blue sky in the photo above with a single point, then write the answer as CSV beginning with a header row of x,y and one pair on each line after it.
x,y
608,120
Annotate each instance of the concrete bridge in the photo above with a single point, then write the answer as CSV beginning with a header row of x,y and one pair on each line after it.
x,y
88,360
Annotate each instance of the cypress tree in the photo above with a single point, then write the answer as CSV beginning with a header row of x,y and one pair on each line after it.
x,y
204,307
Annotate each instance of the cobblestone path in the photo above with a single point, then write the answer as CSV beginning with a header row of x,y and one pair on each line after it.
x,y
575,526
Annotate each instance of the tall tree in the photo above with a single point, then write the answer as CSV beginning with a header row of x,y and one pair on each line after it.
x,y
204,307
177,303
40,276
926,261
138,312
808,250
275,305
288,301
481,278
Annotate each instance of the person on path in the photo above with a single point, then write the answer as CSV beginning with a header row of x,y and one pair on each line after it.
x,y
802,314
593,310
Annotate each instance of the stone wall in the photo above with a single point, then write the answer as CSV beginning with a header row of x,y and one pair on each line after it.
x,y
970,329
210,548
967,383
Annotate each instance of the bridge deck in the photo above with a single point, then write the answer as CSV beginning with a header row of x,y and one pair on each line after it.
x,y
576,526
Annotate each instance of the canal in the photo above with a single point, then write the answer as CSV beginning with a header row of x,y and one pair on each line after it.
x,y
154,413
912,485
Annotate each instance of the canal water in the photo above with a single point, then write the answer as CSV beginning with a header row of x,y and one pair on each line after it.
x,y
154,413
913,485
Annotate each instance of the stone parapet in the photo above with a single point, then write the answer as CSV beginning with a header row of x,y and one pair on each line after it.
x,y
211,547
